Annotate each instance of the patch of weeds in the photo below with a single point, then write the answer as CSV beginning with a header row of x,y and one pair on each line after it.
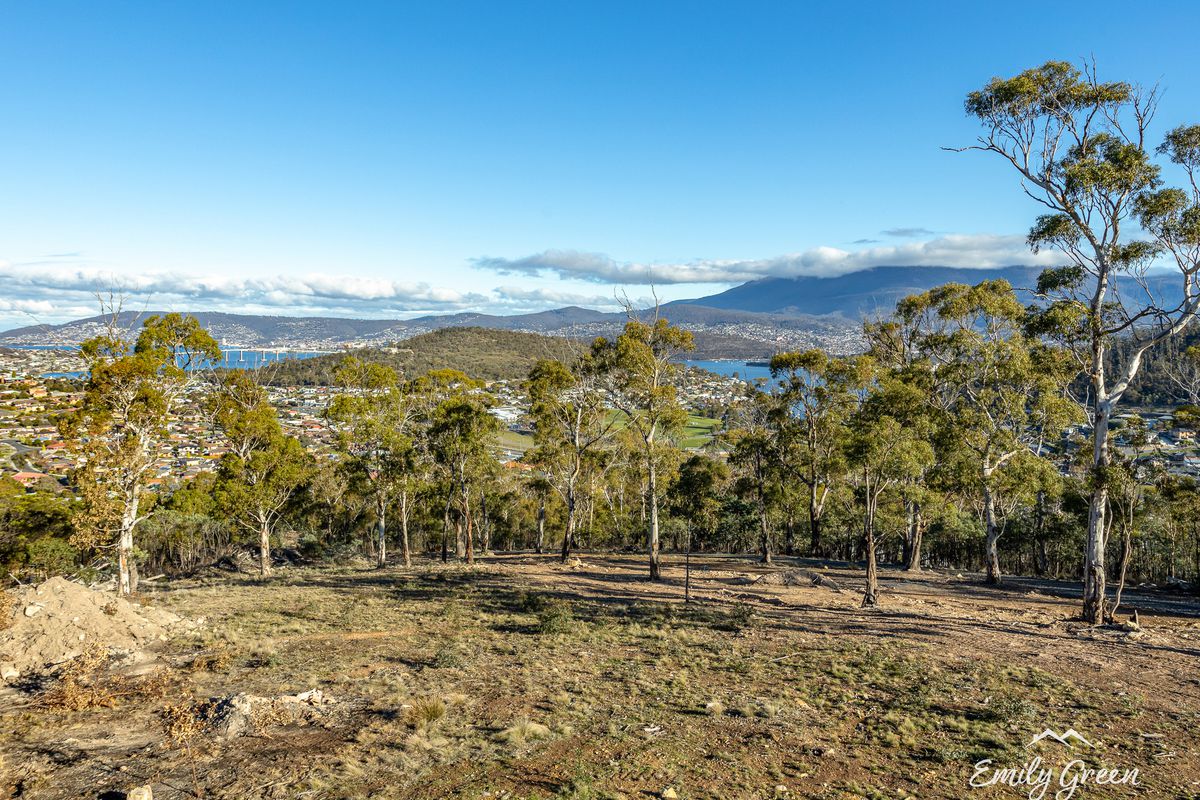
x,y
7,603
82,683
893,730
182,723
556,617
869,792
740,617
1010,709
217,659
263,656
425,712
522,731
652,613
583,787
447,656
531,602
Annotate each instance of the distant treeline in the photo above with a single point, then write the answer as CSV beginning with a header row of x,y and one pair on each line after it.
x,y
484,353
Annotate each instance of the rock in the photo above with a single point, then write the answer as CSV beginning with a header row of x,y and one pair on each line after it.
x,y
781,790
9,672
33,610
140,793
669,794
238,714
233,716
314,697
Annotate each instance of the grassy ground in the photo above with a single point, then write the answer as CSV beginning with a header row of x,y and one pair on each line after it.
x,y
699,431
522,678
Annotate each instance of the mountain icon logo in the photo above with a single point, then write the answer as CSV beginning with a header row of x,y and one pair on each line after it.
x,y
1068,737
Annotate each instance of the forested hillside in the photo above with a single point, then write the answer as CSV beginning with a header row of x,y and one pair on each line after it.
x,y
483,353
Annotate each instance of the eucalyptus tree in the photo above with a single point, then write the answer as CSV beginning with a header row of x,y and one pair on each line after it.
x,y
374,416
882,452
1000,394
133,392
571,423
1080,149
814,398
540,489
461,433
264,468
638,373
695,497
754,448
1127,494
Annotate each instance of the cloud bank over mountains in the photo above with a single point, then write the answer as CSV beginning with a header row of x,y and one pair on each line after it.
x,y
62,287
47,292
974,251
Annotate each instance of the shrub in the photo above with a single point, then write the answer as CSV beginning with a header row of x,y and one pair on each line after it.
x,y
556,617
51,556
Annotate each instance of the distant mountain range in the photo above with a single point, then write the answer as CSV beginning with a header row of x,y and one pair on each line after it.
x,y
869,292
720,333
752,320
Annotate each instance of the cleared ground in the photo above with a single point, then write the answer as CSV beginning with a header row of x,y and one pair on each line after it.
x,y
526,678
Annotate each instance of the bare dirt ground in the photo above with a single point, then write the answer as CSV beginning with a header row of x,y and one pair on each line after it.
x,y
526,678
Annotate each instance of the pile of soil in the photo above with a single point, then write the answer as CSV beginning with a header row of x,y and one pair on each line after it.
x,y
57,620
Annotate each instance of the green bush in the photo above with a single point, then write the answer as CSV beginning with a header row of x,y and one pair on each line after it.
x,y
50,556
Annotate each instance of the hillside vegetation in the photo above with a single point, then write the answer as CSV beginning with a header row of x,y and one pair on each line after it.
x,y
480,352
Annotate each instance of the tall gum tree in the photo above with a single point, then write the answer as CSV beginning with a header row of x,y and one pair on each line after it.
x,y
374,416
887,445
133,392
264,468
814,397
754,448
639,373
462,433
997,394
572,424
1080,147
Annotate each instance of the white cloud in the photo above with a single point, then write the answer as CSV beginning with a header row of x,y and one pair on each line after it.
x,y
47,292
973,251
542,297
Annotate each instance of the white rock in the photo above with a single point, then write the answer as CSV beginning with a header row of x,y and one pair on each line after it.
x,y
9,671
32,611
140,793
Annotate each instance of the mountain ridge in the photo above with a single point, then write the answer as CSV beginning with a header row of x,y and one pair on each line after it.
x,y
752,320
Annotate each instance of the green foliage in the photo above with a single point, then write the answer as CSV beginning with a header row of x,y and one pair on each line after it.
x,y
485,353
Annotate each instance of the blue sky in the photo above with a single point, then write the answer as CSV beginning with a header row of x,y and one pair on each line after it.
x,y
391,160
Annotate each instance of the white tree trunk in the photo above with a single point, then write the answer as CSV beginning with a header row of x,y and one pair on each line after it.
x,y
264,548
993,535
381,531
655,566
127,575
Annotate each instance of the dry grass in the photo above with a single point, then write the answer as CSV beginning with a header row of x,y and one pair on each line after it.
x,y
425,712
83,683
522,731
456,684
7,603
